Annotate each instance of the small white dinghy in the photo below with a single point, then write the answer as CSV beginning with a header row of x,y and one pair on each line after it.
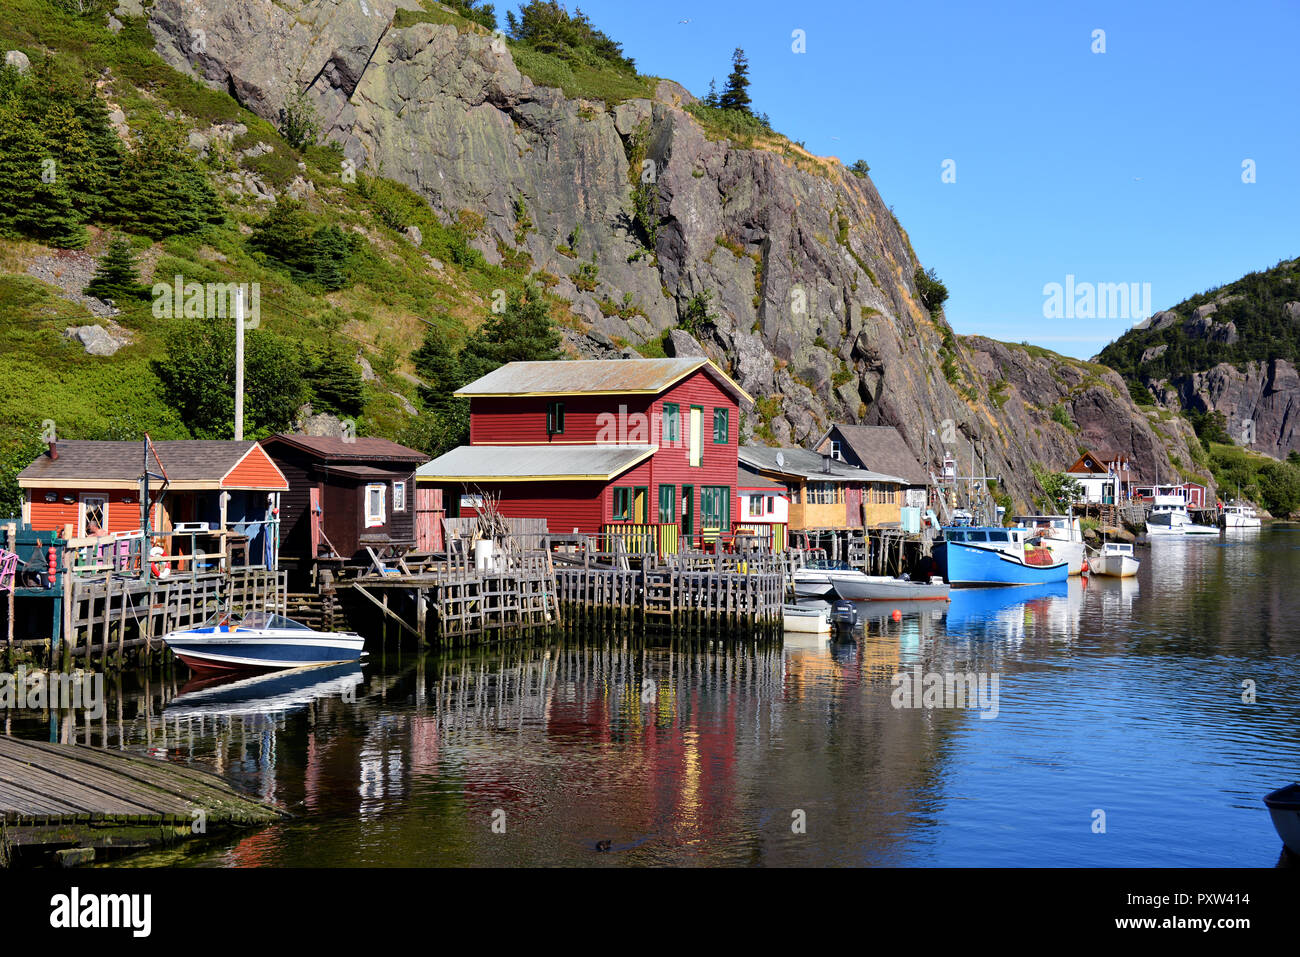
x,y
1115,561
806,619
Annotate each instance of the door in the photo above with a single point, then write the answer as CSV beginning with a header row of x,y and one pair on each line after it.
x,y
316,515
853,506
688,512
428,519
640,506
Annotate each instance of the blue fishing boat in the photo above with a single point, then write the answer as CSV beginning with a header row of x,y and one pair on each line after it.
x,y
260,641
993,555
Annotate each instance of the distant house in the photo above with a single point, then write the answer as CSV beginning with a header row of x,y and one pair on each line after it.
x,y
764,506
345,496
878,448
1193,493
612,446
826,494
210,488
1104,479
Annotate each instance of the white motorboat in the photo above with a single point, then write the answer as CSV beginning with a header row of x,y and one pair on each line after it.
x,y
1239,515
1169,517
857,586
1061,535
1116,560
260,641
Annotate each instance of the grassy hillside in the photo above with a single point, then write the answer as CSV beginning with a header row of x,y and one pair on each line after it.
x,y
392,291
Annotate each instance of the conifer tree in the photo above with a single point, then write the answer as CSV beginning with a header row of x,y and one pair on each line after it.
x,y
736,94
163,191
116,277
336,382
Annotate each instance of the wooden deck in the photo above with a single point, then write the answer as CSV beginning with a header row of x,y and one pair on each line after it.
x,y
72,801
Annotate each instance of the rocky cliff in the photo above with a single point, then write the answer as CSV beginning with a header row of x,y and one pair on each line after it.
x,y
638,216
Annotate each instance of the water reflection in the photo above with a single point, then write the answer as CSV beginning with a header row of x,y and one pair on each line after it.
x,y
1124,695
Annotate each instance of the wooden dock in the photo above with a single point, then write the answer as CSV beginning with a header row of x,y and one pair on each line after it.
x,y
72,802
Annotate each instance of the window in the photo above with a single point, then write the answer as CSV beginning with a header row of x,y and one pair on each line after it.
x,y
835,450
825,493
721,429
399,496
94,515
555,418
793,492
667,504
998,537
375,512
671,429
622,504
715,506
882,494
697,437
979,536
771,503
756,506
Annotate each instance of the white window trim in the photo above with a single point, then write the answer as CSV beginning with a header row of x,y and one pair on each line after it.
x,y
399,501
373,521
100,496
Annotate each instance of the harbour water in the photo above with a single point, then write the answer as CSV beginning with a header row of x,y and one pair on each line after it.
x,y
1138,723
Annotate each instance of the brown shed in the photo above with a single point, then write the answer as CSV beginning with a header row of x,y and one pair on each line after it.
x,y
345,495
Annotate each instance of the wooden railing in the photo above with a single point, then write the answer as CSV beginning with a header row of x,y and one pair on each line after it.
x,y
643,538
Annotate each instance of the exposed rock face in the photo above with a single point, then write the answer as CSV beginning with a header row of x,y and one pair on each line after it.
x,y
97,340
808,273
1261,402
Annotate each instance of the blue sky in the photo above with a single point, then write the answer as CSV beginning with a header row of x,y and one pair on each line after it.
x,y
1117,167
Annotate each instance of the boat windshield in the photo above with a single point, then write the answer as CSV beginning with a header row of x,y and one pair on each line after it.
x,y
263,620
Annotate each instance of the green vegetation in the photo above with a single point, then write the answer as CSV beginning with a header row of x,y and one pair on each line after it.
x,y
315,255
522,332
931,291
1061,416
1059,490
1140,394
860,169
116,276
1273,484
698,319
1210,427
298,122
1254,304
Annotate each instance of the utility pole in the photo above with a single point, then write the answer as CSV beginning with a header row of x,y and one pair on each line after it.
x,y
239,364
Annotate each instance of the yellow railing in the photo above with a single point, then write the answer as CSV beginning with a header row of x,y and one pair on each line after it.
x,y
643,538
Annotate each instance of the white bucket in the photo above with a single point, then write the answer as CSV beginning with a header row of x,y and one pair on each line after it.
x,y
486,558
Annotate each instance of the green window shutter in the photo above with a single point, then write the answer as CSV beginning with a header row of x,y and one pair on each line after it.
x,y
672,422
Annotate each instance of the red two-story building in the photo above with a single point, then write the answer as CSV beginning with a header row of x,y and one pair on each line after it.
x,y
601,445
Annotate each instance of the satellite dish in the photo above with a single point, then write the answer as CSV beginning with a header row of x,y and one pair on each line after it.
x,y
780,460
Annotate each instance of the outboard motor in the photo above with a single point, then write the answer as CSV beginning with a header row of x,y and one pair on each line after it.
x,y
844,615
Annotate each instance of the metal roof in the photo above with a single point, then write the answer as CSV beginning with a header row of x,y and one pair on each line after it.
x,y
810,466
524,463
597,377
747,477
187,462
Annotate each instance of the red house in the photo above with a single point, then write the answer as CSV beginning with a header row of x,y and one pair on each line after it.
x,y
601,445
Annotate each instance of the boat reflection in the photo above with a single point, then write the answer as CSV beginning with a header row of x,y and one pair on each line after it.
x,y
1004,613
279,692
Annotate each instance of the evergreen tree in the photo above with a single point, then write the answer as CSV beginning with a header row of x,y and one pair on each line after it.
x,y
115,276
711,98
289,237
35,200
736,94
336,382
522,332
163,191
438,365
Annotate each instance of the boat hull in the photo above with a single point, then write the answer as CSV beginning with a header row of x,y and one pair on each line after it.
x,y
1065,551
971,565
234,652
880,588
805,621
1115,566
811,584
1284,808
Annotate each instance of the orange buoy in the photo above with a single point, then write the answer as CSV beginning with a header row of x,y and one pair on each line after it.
x,y
897,615
1084,569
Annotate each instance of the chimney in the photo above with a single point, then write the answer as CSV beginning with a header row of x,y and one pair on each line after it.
x,y
826,463
54,451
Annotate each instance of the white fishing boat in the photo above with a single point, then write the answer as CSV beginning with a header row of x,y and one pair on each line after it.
x,y
813,580
1239,515
1116,560
857,586
1169,518
806,619
1060,534
260,641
